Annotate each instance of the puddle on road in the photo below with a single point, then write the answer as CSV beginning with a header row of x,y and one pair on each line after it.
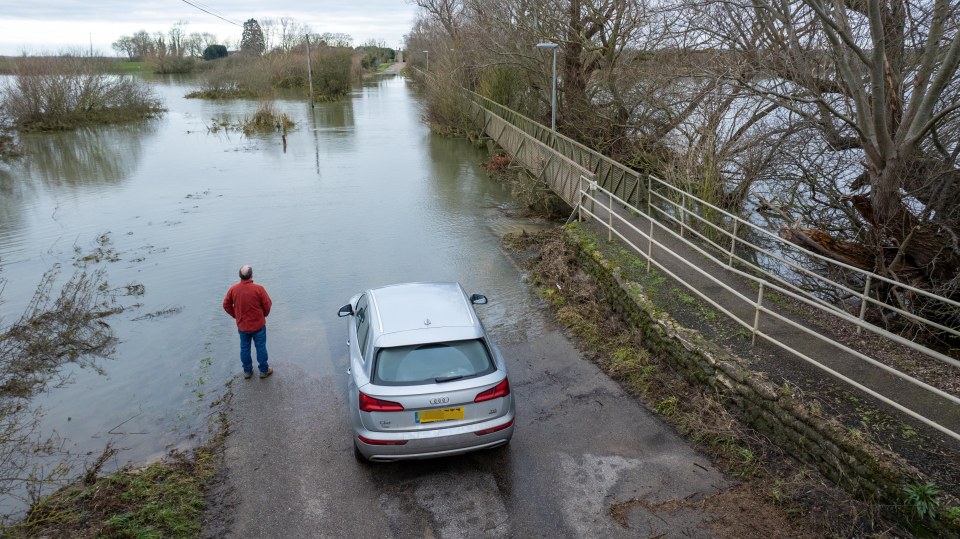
x,y
462,504
593,485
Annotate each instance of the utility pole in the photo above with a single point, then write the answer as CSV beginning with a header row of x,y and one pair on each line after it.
x,y
90,34
309,71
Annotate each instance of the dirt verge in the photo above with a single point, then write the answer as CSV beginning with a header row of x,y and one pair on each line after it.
x,y
806,499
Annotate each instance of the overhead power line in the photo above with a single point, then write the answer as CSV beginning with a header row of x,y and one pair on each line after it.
x,y
210,11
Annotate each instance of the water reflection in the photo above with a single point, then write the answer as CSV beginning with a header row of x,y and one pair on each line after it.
x,y
334,117
84,157
363,196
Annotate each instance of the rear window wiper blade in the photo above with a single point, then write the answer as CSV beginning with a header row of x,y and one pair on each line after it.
x,y
443,379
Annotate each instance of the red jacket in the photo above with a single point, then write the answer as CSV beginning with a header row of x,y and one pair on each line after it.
x,y
249,304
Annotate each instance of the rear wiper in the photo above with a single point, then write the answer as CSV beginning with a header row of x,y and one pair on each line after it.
x,y
443,379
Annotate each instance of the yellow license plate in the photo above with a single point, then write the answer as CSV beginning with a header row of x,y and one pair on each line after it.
x,y
429,416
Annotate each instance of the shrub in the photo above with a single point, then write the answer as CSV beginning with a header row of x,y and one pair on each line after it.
x,y
171,64
214,52
234,78
504,84
66,92
331,76
266,118
260,77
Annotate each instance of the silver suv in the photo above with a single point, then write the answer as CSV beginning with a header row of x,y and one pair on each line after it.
x,y
425,380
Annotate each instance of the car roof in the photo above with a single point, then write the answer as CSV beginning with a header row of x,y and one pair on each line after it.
x,y
411,313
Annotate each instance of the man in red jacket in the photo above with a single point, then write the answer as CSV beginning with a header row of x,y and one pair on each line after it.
x,y
250,305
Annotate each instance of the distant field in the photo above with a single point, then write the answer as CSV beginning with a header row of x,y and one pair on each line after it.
x,y
116,65
126,65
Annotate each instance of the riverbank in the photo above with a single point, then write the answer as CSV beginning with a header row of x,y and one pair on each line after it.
x,y
714,420
162,499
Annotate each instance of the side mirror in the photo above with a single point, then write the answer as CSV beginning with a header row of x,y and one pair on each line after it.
x,y
478,299
346,310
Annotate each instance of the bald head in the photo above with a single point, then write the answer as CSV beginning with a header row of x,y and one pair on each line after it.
x,y
246,272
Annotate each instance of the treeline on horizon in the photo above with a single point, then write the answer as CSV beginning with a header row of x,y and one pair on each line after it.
x,y
74,89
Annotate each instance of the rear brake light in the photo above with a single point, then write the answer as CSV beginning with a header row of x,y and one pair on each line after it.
x,y
370,404
380,442
494,429
500,390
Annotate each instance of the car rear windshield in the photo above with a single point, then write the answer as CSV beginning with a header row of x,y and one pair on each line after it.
x,y
432,363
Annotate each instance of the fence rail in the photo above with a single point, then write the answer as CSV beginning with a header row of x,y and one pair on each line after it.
x,y
723,238
598,206
623,181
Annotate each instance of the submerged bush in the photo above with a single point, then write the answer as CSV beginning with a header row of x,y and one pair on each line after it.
x,y
66,92
267,119
259,77
8,144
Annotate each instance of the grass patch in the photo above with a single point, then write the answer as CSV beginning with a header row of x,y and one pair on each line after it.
x,y
163,499
125,66
265,120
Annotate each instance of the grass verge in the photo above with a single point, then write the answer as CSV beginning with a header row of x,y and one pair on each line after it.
x,y
163,499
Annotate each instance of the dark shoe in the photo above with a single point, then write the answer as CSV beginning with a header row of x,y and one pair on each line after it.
x,y
247,375
268,373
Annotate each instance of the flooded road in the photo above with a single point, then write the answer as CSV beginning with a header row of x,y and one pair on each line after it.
x,y
362,196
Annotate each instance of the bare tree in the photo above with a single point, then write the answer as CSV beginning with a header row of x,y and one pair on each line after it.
x,y
177,37
448,13
879,77
196,43
335,39
136,47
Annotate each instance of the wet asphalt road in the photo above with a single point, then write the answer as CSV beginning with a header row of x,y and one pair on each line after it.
x,y
581,446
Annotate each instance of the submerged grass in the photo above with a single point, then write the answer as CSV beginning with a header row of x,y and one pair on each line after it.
x,y
163,499
266,119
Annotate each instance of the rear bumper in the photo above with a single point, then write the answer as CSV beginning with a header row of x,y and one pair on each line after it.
x,y
435,443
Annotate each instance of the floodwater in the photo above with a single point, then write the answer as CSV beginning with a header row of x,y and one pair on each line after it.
x,y
361,195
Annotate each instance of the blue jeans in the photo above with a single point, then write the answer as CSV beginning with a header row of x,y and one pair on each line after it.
x,y
259,338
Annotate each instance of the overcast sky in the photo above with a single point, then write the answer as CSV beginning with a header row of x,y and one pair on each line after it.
x,y
50,26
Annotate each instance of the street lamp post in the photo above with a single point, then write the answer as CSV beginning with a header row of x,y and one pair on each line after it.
x,y
428,60
553,94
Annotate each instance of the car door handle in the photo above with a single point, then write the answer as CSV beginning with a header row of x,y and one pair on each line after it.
x,y
348,371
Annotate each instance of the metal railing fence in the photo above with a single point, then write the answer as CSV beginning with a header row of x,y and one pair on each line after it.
x,y
603,201
721,236
639,192
621,180
547,164
737,241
